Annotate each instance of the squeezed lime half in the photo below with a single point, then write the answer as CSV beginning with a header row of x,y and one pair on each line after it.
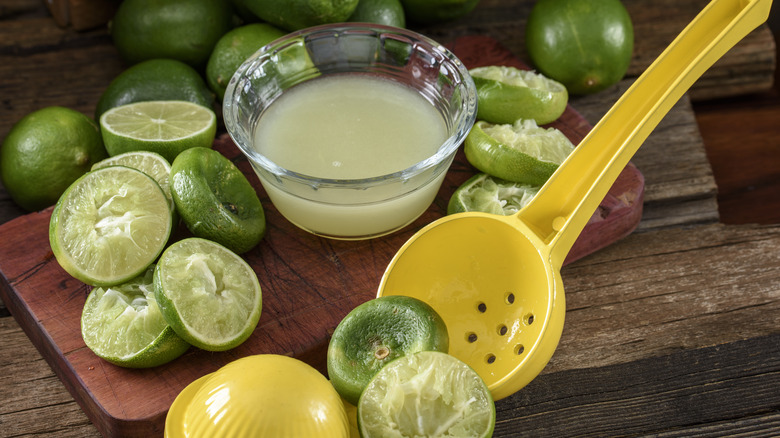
x,y
488,194
430,394
522,152
110,225
123,325
377,332
507,94
208,294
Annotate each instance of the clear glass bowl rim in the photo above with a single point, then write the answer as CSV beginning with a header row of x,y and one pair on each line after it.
x,y
462,125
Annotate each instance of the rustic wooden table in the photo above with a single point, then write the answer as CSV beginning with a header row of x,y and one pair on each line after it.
x,y
671,331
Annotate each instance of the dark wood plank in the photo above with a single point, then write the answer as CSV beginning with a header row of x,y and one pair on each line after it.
x,y
686,393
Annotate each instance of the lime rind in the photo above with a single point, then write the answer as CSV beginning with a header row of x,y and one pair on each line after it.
x,y
208,294
123,325
429,394
522,152
485,193
507,94
110,225
377,332
216,201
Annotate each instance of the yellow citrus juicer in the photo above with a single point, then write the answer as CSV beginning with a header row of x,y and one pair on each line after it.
x,y
495,280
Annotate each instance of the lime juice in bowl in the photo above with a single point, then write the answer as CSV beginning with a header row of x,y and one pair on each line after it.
x,y
351,127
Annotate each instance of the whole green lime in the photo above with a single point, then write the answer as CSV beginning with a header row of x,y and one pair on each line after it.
x,y
233,49
45,152
156,79
387,12
186,30
297,14
437,11
585,45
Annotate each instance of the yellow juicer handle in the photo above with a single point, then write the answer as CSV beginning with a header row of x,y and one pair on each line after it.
x,y
563,206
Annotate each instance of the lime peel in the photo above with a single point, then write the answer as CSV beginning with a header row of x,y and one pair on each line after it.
x,y
209,295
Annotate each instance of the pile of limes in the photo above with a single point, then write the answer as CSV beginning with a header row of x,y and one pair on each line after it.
x,y
111,229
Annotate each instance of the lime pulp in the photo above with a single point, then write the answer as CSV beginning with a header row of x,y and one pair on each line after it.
x,y
430,394
110,225
123,325
488,194
208,294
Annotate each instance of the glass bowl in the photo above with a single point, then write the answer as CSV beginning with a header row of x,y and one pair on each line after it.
x,y
381,199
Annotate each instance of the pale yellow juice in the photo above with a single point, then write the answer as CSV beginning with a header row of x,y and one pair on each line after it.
x,y
350,127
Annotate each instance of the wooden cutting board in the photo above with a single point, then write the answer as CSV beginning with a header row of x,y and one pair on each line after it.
x,y
309,284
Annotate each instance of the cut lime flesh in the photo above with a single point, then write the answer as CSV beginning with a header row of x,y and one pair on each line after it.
x,y
123,325
487,194
158,120
110,225
522,152
429,394
167,127
208,294
150,163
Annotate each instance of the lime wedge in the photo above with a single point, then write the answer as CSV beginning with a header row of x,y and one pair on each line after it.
x,y
166,127
110,225
485,193
522,152
507,94
208,294
430,394
377,332
150,163
123,325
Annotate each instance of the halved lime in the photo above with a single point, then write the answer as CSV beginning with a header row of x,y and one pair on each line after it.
x,y
123,325
110,225
208,294
522,152
507,94
150,163
488,194
215,199
430,394
163,126
376,332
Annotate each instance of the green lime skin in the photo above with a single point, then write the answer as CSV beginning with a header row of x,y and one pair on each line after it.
x,y
123,325
437,11
504,101
376,332
156,79
233,49
387,12
45,152
586,45
215,200
297,14
185,30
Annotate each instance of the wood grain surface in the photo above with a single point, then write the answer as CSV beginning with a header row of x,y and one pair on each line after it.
x,y
703,359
